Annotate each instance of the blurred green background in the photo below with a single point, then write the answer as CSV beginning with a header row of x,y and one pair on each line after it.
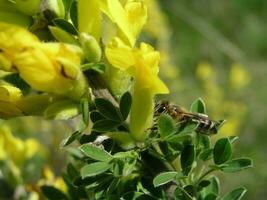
x,y
222,33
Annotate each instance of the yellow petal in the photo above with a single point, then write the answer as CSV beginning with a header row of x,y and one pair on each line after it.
x,y
14,38
119,54
130,19
9,93
89,17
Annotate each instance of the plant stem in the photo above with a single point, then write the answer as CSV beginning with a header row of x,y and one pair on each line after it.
x,y
204,175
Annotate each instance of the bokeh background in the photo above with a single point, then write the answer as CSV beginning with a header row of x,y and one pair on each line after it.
x,y
216,50
220,51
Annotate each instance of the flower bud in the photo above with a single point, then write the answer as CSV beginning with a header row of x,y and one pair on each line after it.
x,y
28,7
91,48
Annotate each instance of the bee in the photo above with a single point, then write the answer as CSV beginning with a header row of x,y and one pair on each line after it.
x,y
205,124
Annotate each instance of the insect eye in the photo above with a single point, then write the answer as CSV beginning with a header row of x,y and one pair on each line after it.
x,y
162,109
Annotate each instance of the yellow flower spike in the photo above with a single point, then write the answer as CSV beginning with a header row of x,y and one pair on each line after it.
x,y
48,67
142,64
89,17
130,19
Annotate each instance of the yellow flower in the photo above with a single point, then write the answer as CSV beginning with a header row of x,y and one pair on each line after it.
x,y
9,95
50,179
48,67
142,64
204,71
14,149
239,77
89,17
130,19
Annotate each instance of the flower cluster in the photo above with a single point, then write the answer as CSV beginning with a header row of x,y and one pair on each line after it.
x,y
122,53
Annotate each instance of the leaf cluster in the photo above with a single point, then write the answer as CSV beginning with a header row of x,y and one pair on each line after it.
x,y
175,162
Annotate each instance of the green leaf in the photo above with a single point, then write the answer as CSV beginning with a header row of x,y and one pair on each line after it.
x,y
123,139
96,116
164,178
190,128
107,109
222,151
236,165
94,169
204,183
65,25
71,138
165,125
53,193
72,172
125,105
206,154
190,189
97,67
62,36
63,109
204,141
105,125
85,110
198,106
211,196
236,194
187,158
212,188
181,194
233,139
178,138
73,13
95,153
219,124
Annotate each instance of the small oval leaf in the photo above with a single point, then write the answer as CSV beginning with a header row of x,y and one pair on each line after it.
x,y
65,25
198,106
236,165
125,105
71,138
222,151
96,116
85,111
236,194
165,125
105,125
73,13
96,153
187,158
94,169
164,178
107,109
